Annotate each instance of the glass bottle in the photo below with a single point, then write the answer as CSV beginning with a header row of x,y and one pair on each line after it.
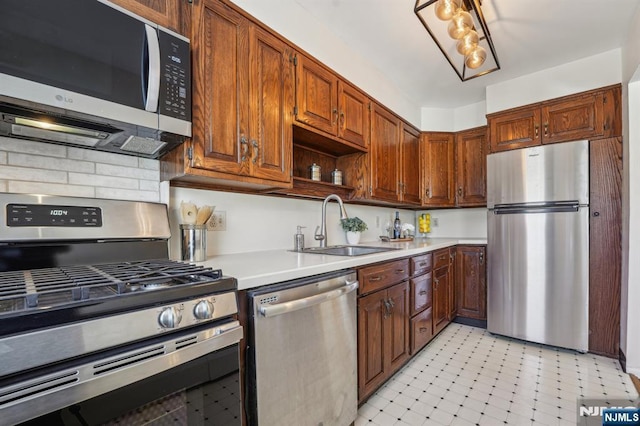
x,y
397,226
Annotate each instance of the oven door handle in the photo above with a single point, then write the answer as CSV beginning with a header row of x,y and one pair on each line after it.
x,y
316,299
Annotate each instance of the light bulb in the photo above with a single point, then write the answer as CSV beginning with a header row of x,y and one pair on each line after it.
x,y
475,58
445,9
460,24
467,43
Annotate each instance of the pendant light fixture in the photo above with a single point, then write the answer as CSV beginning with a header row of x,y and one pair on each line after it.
x,y
459,29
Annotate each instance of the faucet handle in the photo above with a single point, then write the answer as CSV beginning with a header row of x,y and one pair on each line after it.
x,y
318,236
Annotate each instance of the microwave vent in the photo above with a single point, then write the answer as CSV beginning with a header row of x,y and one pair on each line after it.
x,y
141,145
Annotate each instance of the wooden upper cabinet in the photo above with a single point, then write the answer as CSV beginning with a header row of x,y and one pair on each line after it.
x,y
471,167
385,154
438,169
242,101
170,14
573,119
353,114
588,115
514,129
270,100
316,95
410,187
330,104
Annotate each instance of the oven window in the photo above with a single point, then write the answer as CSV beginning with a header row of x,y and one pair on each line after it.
x,y
205,391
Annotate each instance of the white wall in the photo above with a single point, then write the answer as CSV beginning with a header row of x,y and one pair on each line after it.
x,y
256,222
40,168
573,77
458,223
630,318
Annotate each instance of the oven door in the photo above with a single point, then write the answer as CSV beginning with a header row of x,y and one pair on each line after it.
x,y
182,378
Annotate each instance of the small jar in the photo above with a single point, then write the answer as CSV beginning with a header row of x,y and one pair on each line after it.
x,y
314,172
336,177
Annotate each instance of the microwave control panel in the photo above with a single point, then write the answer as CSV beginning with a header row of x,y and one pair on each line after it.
x,y
175,77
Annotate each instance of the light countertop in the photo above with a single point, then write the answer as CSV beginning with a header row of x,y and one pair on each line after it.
x,y
254,269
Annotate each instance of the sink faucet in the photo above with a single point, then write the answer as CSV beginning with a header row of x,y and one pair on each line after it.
x,y
322,235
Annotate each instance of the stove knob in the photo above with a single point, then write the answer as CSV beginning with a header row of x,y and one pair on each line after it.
x,y
203,310
170,317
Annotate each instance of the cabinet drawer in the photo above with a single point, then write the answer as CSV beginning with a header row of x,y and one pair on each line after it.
x,y
440,258
421,330
420,264
420,293
380,276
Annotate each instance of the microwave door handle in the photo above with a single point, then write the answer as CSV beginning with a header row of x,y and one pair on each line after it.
x,y
153,83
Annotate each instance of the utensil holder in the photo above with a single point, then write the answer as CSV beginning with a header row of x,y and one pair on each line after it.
x,y
193,242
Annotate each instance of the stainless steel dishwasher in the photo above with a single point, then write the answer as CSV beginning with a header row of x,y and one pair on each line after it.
x,y
301,354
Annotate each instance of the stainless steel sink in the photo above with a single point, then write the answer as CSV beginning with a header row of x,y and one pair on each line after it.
x,y
347,250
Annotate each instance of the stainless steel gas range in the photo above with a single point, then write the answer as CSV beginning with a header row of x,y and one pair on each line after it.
x,y
98,326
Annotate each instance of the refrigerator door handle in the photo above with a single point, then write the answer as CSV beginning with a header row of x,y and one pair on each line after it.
x,y
558,207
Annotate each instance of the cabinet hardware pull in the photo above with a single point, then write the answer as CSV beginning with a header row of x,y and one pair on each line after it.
x,y
342,123
423,292
437,282
387,308
399,271
428,193
536,131
423,329
334,116
481,258
391,305
460,191
546,129
256,149
244,144
378,278
422,264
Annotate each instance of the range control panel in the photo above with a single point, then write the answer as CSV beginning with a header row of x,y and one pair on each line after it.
x,y
51,215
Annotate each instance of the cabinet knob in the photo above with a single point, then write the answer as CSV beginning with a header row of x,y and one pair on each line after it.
x,y
596,214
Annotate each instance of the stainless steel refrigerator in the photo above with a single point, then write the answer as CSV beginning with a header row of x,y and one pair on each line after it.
x,y
538,244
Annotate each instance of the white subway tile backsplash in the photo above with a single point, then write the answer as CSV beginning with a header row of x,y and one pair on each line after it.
x,y
130,172
32,147
149,164
100,180
102,157
50,163
51,189
32,174
126,194
43,168
149,185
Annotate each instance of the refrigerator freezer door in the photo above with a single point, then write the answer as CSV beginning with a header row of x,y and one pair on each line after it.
x,y
538,277
547,173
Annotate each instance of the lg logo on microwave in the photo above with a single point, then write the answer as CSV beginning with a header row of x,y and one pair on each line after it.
x,y
61,98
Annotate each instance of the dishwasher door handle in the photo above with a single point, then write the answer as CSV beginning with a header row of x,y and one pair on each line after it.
x,y
294,305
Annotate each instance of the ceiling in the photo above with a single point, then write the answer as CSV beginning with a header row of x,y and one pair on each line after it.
x,y
529,36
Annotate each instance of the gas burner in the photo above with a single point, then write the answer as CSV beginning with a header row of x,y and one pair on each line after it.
x,y
148,286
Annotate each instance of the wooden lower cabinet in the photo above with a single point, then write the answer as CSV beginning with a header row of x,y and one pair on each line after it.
x,y
421,329
440,293
383,336
471,282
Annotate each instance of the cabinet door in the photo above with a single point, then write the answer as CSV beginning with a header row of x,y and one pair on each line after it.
x,y
410,155
471,167
573,119
438,153
514,129
316,95
397,338
166,13
420,292
440,290
452,294
421,330
371,328
385,154
471,282
353,114
271,101
220,87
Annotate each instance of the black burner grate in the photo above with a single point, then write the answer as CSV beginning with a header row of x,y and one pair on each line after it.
x,y
49,287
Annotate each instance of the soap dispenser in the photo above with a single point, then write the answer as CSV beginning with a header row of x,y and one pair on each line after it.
x,y
298,241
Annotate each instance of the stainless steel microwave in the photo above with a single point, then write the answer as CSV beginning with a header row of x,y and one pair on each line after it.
x,y
90,73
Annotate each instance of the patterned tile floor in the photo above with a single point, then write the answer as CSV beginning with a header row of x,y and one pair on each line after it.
x,y
466,377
